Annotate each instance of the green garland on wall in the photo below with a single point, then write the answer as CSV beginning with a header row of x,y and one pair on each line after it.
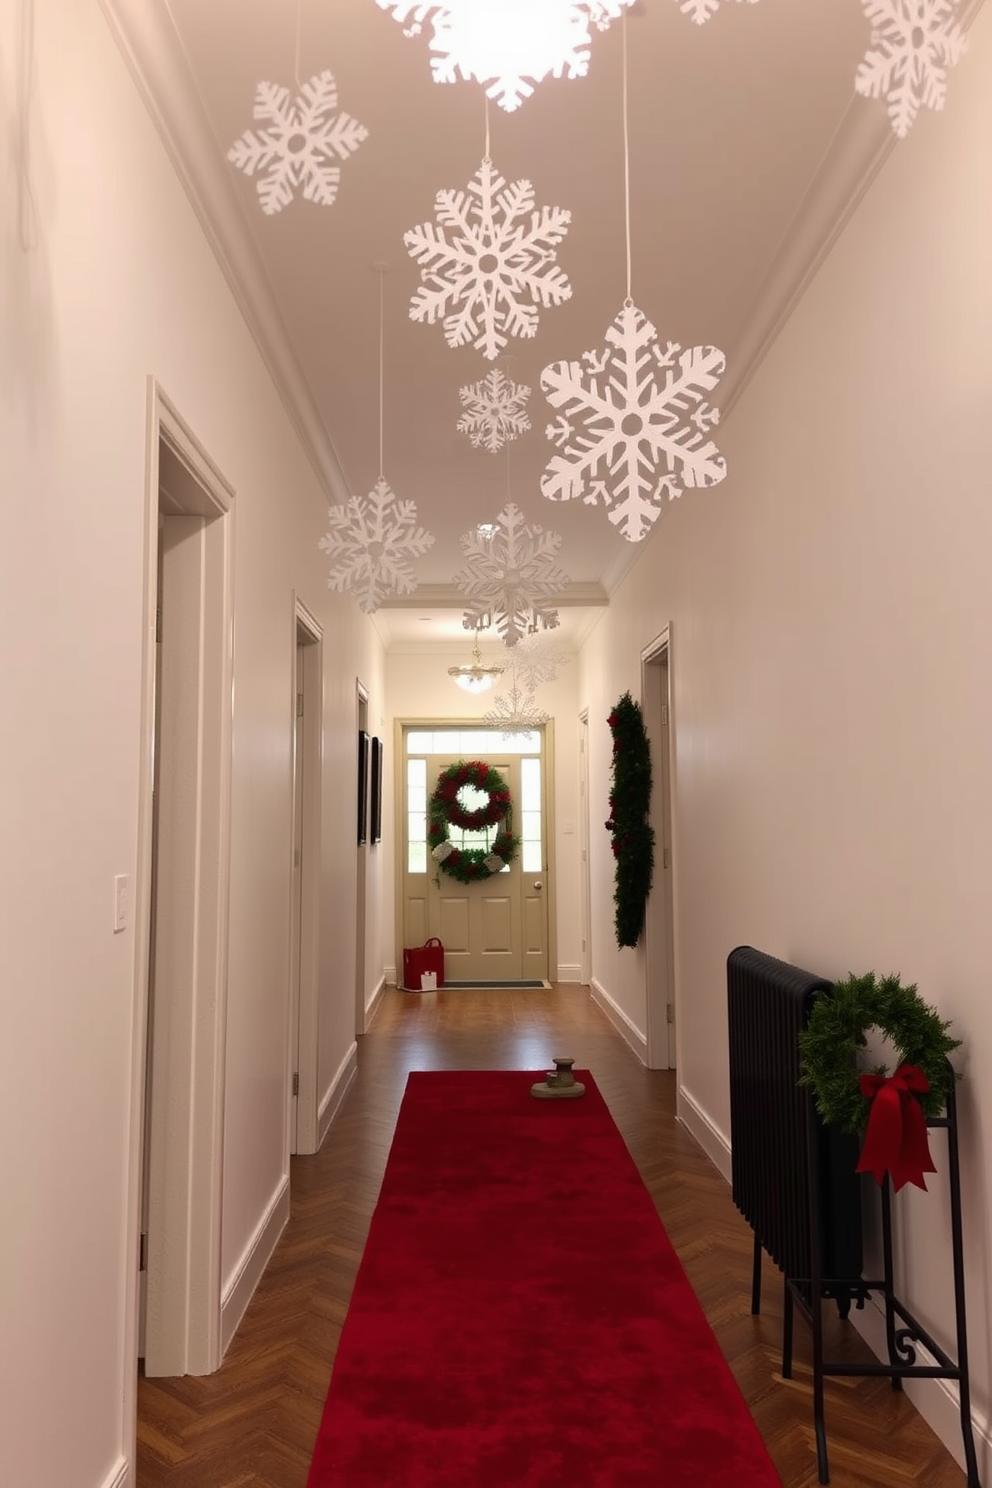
x,y
632,834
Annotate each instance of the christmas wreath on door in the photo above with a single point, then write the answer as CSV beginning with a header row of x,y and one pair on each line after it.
x,y
470,796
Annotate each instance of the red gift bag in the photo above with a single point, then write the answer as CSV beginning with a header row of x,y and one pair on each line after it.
x,y
423,961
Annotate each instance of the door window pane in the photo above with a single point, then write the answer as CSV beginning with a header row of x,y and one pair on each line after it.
x,y
468,743
532,848
416,816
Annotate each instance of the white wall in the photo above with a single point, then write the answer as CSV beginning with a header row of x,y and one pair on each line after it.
x,y
418,687
831,656
105,278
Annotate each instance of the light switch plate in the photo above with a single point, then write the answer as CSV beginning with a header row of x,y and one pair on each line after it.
x,y
120,902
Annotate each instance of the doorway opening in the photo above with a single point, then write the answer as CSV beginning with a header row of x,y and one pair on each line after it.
x,y
659,919
181,902
308,710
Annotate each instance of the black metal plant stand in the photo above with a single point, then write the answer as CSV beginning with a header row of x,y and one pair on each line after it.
x,y
902,1329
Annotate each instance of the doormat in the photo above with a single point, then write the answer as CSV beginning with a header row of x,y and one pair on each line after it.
x,y
520,1315
510,986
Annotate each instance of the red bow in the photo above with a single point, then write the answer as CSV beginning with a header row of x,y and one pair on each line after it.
x,y
896,1138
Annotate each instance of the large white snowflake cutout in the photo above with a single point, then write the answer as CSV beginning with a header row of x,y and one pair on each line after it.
x,y
373,538
701,11
510,576
515,712
642,435
913,43
507,45
303,140
494,411
497,264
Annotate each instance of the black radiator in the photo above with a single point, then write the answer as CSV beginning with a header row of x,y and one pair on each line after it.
x,y
768,1004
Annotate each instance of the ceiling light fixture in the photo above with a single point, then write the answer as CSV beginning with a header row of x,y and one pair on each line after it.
x,y
475,678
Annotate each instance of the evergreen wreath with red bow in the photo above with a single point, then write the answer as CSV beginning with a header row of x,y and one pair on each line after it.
x,y
633,836
446,810
889,1111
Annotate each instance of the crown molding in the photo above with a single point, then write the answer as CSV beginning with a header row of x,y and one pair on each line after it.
x,y
447,597
859,148
147,38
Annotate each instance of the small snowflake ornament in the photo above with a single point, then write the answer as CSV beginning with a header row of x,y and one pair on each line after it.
x,y
299,148
913,43
494,411
507,45
510,576
642,422
515,712
537,660
488,262
701,11
373,538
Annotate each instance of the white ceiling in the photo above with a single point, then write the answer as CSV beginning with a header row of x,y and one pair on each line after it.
x,y
737,129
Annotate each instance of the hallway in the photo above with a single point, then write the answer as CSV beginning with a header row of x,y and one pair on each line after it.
x,y
253,1424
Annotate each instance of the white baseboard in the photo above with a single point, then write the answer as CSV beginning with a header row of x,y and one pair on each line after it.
x,y
336,1092
627,1030
935,1399
705,1130
248,1273
569,973
389,976
120,1475
374,1001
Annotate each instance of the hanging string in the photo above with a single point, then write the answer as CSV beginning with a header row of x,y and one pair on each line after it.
x,y
626,151
382,281
487,155
27,215
299,28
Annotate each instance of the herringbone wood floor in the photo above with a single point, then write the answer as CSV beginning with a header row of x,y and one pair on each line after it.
x,y
253,1424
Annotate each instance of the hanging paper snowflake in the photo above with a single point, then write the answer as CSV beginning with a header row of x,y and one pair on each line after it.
x,y
914,42
510,576
495,411
536,661
507,45
373,539
642,435
299,147
702,10
515,712
498,266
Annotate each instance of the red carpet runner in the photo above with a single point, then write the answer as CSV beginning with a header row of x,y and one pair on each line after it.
x,y
520,1317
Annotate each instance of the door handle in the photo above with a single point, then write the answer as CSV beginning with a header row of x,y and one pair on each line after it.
x,y
538,884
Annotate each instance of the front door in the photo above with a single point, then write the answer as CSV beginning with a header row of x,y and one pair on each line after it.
x,y
496,929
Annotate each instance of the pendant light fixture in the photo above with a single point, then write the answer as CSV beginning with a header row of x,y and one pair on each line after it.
x,y
476,677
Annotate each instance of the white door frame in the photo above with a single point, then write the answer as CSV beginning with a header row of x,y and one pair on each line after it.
x,y
401,726
308,638
585,889
186,1138
661,962
361,869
